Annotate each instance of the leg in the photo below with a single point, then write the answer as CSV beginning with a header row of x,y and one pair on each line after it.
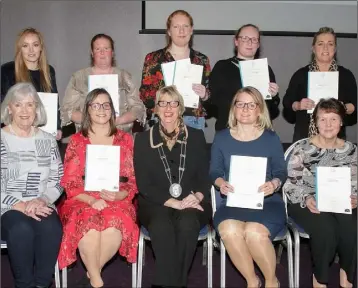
x,y
18,232
89,247
262,251
232,234
111,239
47,245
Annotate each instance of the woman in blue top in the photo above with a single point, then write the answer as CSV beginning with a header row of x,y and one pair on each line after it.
x,y
247,233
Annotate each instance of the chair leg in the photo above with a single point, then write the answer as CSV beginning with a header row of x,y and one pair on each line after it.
x,y
210,259
291,278
134,275
205,252
57,276
296,236
222,266
143,263
279,253
140,260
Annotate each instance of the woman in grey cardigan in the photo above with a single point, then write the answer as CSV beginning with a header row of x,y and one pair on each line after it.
x,y
31,170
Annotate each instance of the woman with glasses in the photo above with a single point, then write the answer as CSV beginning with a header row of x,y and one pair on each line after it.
x,y
98,223
103,62
247,233
225,79
171,167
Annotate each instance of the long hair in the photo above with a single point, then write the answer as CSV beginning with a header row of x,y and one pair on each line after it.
x,y
22,74
169,23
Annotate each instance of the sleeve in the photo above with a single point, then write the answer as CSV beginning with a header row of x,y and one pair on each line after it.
x,y
127,169
54,189
206,75
349,95
217,161
54,90
72,180
291,96
353,165
272,105
278,164
145,186
147,89
217,84
300,181
70,102
5,80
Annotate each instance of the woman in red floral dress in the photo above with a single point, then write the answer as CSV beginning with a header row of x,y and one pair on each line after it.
x,y
98,223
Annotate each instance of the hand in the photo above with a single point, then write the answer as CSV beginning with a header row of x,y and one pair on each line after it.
x,y
225,188
354,201
40,211
268,188
59,135
99,204
113,196
76,117
311,205
189,201
273,89
32,205
200,90
119,120
19,206
305,104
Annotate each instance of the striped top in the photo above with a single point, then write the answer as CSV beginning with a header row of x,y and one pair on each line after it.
x,y
30,168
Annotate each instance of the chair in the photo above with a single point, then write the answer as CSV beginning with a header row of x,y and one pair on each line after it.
x,y
205,234
284,235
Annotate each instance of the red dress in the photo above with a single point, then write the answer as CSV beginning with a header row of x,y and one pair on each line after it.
x,y
78,217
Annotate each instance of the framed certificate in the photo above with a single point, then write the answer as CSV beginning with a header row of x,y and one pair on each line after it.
x,y
50,102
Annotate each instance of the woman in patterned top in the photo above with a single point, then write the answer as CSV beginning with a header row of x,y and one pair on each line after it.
x,y
31,170
179,46
329,232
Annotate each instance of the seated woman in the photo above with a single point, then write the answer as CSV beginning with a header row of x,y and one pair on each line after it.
x,y
247,233
31,170
329,232
171,166
98,223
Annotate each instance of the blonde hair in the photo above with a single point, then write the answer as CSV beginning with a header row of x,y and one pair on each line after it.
x,y
263,120
174,94
22,74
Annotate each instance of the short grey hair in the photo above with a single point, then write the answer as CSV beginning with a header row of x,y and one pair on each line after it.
x,y
17,93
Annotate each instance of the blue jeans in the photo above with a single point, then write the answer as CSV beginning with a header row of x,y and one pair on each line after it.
x,y
194,122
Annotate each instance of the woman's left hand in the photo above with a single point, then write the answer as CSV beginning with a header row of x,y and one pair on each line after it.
x,y
113,196
189,201
59,135
32,205
354,201
273,89
200,90
268,188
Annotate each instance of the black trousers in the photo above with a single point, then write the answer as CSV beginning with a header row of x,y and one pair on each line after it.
x,y
174,236
33,247
329,233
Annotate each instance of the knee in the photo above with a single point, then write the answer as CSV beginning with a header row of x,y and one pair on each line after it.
x,y
230,229
188,221
159,225
256,232
51,225
21,230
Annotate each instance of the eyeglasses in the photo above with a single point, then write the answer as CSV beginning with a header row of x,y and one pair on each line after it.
x,y
98,106
173,104
249,105
253,40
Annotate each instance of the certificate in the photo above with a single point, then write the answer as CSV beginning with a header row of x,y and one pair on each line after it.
x,y
255,73
333,189
108,82
169,68
50,102
322,85
246,175
102,168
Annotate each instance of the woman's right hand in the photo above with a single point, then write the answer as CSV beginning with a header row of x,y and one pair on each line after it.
x,y
226,188
76,117
304,104
312,205
99,204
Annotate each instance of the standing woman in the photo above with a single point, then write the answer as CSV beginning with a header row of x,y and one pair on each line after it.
x,y
30,65
179,37
225,79
295,101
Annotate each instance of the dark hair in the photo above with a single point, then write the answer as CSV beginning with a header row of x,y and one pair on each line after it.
x,y
86,124
324,30
169,23
237,34
109,38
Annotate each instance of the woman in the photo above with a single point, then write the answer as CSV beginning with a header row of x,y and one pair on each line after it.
x,y
179,37
30,65
171,167
225,79
98,223
329,232
247,233
102,62
296,101
31,170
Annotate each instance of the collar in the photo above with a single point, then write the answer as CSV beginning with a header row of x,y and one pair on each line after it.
x,y
156,140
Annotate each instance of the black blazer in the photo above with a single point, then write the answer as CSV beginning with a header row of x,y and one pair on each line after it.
x,y
8,80
152,181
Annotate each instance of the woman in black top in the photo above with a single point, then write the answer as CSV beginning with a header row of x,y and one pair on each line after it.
x,y
172,173
30,65
225,78
295,101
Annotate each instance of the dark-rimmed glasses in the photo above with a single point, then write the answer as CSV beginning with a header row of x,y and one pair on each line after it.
x,y
172,104
98,106
249,105
253,40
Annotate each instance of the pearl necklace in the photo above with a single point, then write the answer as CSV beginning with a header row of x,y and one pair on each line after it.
x,y
32,133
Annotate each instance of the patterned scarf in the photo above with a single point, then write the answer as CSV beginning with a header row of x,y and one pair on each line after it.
x,y
313,67
170,139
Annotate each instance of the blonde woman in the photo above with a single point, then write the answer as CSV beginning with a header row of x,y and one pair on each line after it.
x,y
247,233
30,65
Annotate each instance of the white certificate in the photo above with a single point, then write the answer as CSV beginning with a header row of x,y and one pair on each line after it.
x,y
108,82
333,189
50,102
322,85
247,174
169,68
102,168
255,73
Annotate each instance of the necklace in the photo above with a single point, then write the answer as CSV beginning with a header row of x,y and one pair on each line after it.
x,y
32,133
